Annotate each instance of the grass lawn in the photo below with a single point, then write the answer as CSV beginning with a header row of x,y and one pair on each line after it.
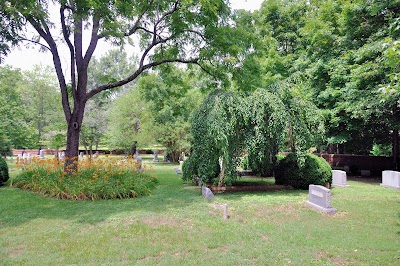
x,y
176,226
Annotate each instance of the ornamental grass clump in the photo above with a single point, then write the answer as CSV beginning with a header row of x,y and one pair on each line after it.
x,y
94,179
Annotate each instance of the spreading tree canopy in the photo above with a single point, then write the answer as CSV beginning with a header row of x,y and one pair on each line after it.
x,y
168,31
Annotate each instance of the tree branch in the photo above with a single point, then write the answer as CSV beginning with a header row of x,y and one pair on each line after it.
x,y
35,42
137,26
71,49
57,64
136,74
93,41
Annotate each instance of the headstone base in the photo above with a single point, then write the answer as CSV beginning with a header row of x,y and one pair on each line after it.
x,y
321,209
383,185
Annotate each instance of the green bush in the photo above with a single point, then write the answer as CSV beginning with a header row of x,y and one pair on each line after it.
x,y
299,171
3,171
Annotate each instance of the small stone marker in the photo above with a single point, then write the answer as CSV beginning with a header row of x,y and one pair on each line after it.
x,y
207,193
155,156
139,161
41,154
365,172
391,179
81,154
180,164
339,178
223,207
319,198
178,171
346,168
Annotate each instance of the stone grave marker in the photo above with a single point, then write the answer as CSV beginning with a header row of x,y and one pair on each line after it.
x,y
224,207
41,154
391,179
180,164
139,161
81,154
207,193
365,172
339,178
178,171
155,156
346,168
319,198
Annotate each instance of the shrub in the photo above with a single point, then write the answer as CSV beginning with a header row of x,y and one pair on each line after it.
x,y
96,179
300,171
3,171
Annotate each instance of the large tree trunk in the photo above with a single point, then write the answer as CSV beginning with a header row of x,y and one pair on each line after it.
x,y
73,135
395,147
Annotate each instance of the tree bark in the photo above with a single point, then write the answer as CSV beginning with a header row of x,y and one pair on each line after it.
x,y
73,135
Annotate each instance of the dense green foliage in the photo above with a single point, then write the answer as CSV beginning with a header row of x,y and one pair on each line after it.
x,y
230,125
217,130
96,179
4,175
301,170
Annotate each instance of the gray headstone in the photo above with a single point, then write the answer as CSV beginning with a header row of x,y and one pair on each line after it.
x,y
81,154
346,168
391,179
139,161
178,171
207,193
41,154
365,172
155,156
339,178
180,164
319,198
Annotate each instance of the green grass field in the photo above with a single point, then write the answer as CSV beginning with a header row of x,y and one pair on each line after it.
x,y
176,226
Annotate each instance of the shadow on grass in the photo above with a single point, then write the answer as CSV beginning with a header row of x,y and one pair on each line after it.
x,y
19,206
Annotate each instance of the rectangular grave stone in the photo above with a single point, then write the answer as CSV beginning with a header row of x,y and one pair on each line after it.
x,y
207,193
391,179
339,178
319,198
365,172
41,154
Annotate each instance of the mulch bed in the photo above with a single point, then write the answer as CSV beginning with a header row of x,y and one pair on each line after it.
x,y
247,187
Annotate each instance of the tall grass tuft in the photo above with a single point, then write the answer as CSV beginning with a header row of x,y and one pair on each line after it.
x,y
95,179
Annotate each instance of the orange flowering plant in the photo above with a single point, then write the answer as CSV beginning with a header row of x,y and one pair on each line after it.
x,y
108,178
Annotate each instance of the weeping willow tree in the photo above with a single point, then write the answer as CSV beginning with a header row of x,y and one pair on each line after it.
x,y
229,125
218,134
265,123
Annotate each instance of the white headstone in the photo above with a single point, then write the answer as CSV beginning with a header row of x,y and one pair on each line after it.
x,y
41,154
62,155
339,178
180,164
319,198
81,154
391,179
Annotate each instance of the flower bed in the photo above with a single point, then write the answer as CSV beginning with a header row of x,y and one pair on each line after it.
x,y
95,179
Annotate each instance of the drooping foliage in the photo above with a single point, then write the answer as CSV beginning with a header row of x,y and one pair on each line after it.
x,y
218,132
230,125
265,124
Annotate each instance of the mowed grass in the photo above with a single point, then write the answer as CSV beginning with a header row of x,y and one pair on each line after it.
x,y
176,226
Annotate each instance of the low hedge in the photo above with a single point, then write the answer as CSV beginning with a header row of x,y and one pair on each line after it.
x,y
299,171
